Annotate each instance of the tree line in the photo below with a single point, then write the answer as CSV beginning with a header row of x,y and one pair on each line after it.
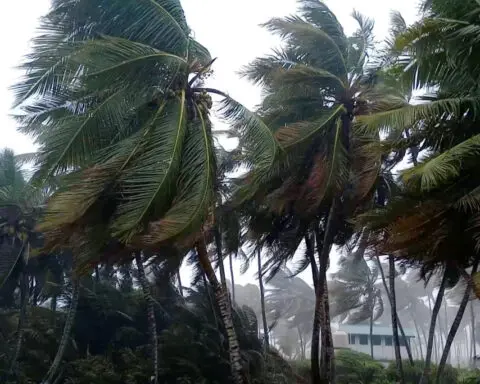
x,y
355,147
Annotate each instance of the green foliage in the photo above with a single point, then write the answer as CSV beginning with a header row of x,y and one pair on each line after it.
x,y
414,373
359,368
351,368
110,340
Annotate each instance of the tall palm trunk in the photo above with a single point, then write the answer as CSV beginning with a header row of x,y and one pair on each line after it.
x,y
53,308
152,324
408,348
232,276
436,308
223,302
66,333
21,319
417,330
474,343
262,299
371,327
393,302
179,281
315,348
221,267
455,324
321,314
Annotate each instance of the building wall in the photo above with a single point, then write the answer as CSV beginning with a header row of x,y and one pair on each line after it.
x,y
380,352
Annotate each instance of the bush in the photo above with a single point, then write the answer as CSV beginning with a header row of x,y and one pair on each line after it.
x,y
351,368
414,373
354,367
469,377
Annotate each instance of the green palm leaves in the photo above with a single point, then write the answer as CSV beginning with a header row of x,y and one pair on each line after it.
x,y
113,96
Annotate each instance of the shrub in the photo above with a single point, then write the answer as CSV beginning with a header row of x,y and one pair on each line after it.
x,y
354,367
414,373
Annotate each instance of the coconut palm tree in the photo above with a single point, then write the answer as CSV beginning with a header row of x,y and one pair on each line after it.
x,y
315,86
19,208
355,290
421,224
114,97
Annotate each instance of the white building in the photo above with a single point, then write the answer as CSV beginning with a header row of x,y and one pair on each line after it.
x,y
358,337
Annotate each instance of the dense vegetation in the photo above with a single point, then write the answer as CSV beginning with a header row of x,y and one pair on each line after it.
x,y
340,154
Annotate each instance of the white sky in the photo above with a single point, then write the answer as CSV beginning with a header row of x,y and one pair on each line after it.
x,y
228,28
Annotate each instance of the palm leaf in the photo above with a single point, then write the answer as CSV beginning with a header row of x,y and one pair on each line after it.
x,y
324,52
258,141
148,182
294,134
190,208
409,116
441,168
303,74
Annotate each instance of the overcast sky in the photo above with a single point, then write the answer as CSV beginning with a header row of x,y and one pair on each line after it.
x,y
228,28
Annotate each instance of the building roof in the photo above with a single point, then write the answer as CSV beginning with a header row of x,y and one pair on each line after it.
x,y
364,329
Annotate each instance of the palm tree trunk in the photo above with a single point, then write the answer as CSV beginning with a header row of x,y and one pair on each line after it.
x,y
400,327
223,302
221,267
328,356
97,274
53,308
179,280
21,320
322,315
262,299
455,324
419,338
393,302
474,343
436,308
408,348
152,324
232,276
315,347
66,333
371,327
302,346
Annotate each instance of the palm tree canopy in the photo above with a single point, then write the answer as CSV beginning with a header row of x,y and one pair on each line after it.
x,y
436,212
113,96
313,86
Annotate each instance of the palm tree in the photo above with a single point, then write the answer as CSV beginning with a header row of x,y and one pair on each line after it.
x,y
421,224
456,322
19,204
314,89
114,97
152,324
262,299
355,293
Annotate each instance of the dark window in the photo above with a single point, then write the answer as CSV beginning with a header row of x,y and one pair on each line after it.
x,y
376,340
351,339
388,340
403,341
363,339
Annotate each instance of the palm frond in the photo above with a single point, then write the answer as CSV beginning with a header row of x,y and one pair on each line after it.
x,y
106,55
296,133
407,117
258,141
337,161
324,52
195,187
303,74
148,183
439,169
363,39
317,13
